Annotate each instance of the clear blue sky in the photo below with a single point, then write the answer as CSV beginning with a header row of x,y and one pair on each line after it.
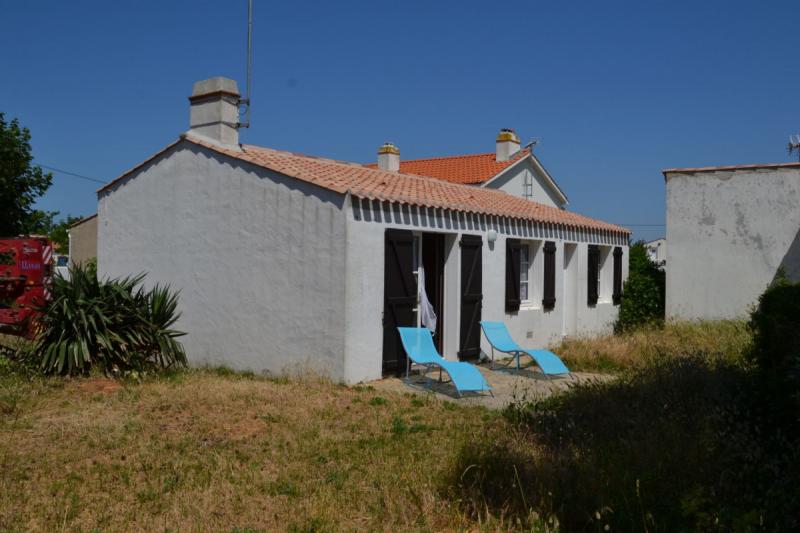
x,y
616,91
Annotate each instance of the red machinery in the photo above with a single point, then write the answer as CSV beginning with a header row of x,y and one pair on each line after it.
x,y
25,273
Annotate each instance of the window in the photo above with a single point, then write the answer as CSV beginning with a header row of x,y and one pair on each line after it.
x,y
524,270
604,275
522,288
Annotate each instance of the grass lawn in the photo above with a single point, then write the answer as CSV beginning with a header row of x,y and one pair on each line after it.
x,y
209,450
720,340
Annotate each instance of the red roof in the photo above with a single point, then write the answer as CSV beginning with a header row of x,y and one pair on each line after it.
x,y
373,184
469,169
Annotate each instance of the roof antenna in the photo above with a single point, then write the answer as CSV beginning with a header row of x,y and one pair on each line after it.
x,y
246,101
532,144
794,144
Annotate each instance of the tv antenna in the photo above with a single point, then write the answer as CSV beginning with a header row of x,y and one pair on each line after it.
x,y
794,145
246,101
531,145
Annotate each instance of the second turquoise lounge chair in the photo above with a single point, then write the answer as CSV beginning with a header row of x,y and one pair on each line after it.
x,y
418,344
500,339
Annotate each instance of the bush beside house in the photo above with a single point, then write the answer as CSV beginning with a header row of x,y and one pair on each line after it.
x,y
643,292
115,326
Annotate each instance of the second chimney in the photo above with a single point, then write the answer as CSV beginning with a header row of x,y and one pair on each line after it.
x,y
507,144
215,111
389,157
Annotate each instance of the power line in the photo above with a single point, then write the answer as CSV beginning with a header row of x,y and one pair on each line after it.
x,y
73,174
643,225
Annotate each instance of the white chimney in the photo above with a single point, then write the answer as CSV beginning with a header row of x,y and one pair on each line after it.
x,y
389,157
507,144
215,111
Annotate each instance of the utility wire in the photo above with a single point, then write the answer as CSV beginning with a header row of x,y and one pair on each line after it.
x,y
643,225
73,174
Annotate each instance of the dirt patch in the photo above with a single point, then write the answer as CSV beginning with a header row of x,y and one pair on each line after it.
x,y
99,386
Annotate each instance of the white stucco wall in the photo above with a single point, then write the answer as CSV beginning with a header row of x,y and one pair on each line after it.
x,y
657,251
728,233
258,258
513,180
533,328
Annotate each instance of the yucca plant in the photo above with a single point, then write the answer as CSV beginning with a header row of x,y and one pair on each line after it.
x,y
114,325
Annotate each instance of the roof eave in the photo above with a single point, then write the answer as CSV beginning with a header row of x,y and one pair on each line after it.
x,y
130,171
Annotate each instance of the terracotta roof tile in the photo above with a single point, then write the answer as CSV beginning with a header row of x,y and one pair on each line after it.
x,y
469,169
373,184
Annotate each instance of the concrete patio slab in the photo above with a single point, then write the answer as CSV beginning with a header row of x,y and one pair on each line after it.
x,y
508,385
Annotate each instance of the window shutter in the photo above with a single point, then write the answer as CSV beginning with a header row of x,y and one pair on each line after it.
x,y
512,275
617,295
592,274
549,300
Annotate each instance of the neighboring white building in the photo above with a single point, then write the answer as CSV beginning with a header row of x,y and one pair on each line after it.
x,y
657,251
288,261
730,229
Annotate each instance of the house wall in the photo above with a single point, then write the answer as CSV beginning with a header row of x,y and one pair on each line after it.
x,y
83,241
258,258
657,251
532,328
728,233
513,179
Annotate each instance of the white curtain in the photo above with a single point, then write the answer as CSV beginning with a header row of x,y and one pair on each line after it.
x,y
426,312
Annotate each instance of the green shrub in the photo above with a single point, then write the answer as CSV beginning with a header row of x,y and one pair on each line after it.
x,y
775,323
113,325
643,292
675,446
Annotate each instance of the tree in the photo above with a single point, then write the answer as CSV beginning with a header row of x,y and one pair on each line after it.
x,y
643,293
58,233
21,182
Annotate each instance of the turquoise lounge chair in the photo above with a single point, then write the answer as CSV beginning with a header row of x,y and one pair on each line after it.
x,y
418,344
500,340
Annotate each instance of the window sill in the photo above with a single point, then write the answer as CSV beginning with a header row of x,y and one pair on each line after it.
x,y
529,306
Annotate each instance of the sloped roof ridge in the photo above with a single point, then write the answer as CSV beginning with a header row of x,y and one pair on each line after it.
x,y
374,184
289,153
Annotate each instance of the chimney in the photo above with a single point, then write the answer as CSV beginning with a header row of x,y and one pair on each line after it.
x,y
507,144
214,111
389,157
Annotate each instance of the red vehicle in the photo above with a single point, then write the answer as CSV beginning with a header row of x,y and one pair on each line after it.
x,y
25,274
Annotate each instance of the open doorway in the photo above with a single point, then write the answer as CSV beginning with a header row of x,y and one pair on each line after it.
x,y
433,258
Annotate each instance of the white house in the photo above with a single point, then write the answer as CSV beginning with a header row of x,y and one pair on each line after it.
x,y
657,251
287,260
730,230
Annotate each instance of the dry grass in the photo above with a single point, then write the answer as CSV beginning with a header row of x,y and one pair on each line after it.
x,y
726,340
205,450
